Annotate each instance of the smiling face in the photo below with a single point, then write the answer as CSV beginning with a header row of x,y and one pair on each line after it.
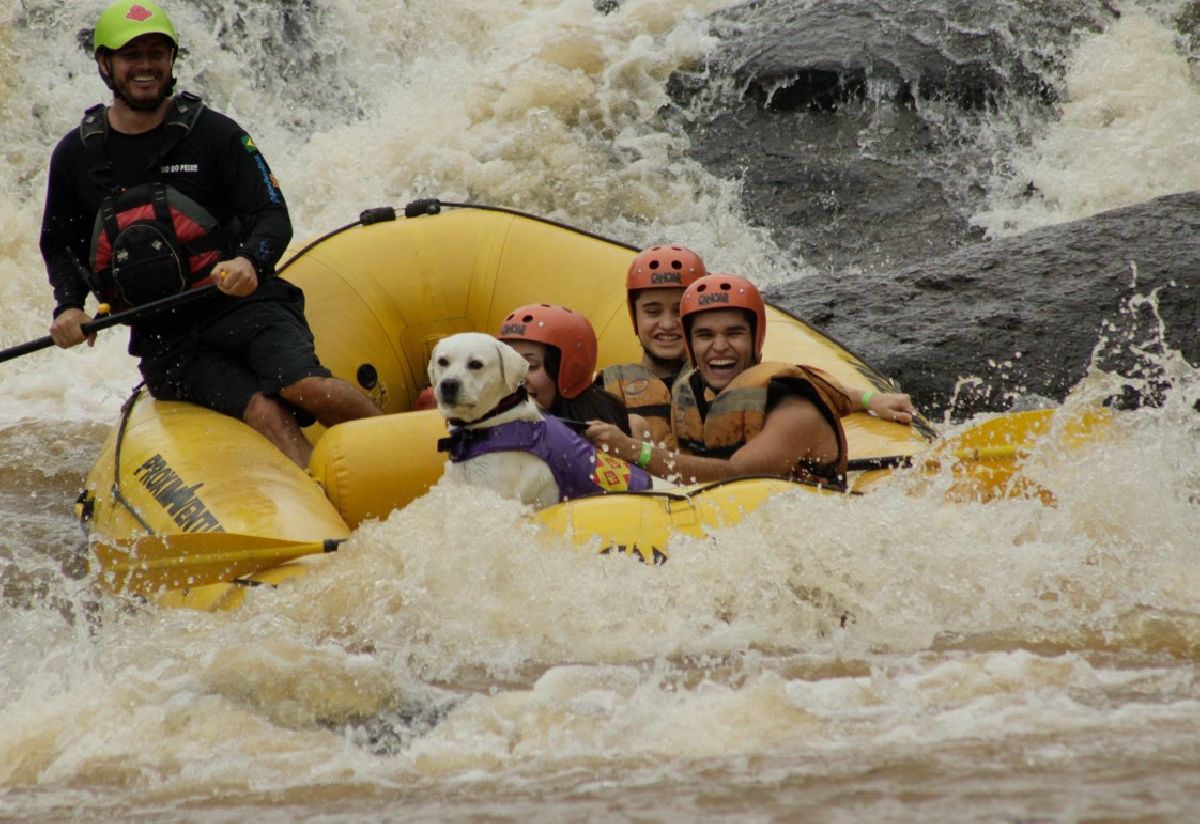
x,y
140,71
723,345
541,387
656,312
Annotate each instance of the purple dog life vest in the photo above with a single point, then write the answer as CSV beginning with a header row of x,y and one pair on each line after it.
x,y
579,468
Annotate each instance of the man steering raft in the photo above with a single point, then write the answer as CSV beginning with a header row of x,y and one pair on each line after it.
x,y
732,414
155,195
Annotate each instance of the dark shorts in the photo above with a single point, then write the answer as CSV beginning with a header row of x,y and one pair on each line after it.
x,y
258,346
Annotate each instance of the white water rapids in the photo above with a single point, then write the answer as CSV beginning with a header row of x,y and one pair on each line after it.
x,y
1007,662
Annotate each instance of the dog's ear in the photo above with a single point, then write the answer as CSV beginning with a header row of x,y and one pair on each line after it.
x,y
513,366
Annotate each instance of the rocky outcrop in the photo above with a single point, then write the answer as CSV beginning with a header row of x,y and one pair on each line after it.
x,y
866,131
1027,314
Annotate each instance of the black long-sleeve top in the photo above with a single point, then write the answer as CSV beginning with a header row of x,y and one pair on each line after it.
x,y
216,164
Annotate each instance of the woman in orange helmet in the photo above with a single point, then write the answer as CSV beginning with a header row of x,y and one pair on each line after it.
x,y
560,346
733,414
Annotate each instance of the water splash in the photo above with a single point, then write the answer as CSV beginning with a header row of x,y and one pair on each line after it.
x,y
499,665
1129,131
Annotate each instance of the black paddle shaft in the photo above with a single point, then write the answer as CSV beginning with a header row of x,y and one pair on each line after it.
x,y
105,321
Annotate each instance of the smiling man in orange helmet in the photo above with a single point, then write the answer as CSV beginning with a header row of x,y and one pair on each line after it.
x,y
733,414
157,194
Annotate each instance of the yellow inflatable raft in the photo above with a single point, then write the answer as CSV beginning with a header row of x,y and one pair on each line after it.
x,y
181,497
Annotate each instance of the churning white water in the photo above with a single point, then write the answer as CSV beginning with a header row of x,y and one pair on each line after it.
x,y
1127,131
894,656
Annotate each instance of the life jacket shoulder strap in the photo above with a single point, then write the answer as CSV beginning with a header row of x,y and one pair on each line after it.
x,y
93,131
181,117
185,110
94,122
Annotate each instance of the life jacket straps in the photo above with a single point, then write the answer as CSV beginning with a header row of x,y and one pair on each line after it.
x,y
94,128
698,392
93,131
181,117
158,202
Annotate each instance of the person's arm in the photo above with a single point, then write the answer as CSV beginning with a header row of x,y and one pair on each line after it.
x,y
64,235
66,330
890,406
63,231
638,425
259,205
794,430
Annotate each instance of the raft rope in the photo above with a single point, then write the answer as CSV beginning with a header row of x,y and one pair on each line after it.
x,y
118,495
688,493
433,206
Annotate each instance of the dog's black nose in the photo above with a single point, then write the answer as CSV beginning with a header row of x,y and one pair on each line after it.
x,y
448,390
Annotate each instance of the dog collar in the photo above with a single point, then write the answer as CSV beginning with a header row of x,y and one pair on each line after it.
x,y
506,403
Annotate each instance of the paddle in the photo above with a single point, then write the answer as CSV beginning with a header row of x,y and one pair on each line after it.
x,y
986,455
151,563
104,321
1022,429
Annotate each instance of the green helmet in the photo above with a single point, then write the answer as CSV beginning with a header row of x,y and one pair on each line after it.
x,y
127,19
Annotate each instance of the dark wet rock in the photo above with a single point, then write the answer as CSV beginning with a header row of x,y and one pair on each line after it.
x,y
866,131
1024,314
971,53
1187,22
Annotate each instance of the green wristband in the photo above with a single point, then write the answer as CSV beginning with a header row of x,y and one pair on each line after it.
x,y
643,460
866,398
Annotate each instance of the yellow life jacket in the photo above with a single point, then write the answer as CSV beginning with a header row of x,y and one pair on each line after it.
x,y
720,426
644,394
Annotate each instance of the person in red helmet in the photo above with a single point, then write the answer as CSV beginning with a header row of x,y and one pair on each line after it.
x,y
156,194
560,346
733,414
654,286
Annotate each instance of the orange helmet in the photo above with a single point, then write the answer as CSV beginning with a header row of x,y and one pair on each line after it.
x,y
724,292
661,267
567,331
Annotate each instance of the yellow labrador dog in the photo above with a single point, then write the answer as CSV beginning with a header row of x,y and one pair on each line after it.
x,y
499,439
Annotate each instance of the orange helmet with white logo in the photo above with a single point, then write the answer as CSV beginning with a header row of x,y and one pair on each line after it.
x,y
724,292
661,267
567,331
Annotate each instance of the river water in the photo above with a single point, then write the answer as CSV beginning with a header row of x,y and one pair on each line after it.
x,y
890,657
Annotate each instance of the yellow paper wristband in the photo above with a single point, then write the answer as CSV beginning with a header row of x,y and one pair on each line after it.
x,y
866,398
643,459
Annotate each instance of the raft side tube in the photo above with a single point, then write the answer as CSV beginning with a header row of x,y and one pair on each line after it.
x,y
372,466
384,294
643,523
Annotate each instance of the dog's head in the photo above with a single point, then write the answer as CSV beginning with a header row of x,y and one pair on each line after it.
x,y
472,372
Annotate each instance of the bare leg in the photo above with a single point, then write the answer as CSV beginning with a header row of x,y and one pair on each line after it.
x,y
330,400
277,424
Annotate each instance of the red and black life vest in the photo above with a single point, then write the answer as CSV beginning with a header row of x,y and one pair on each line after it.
x,y
149,240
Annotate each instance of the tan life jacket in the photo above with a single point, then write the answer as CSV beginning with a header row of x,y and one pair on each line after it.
x,y
644,394
720,426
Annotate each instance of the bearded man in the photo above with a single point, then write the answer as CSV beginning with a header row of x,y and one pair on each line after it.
x,y
157,194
